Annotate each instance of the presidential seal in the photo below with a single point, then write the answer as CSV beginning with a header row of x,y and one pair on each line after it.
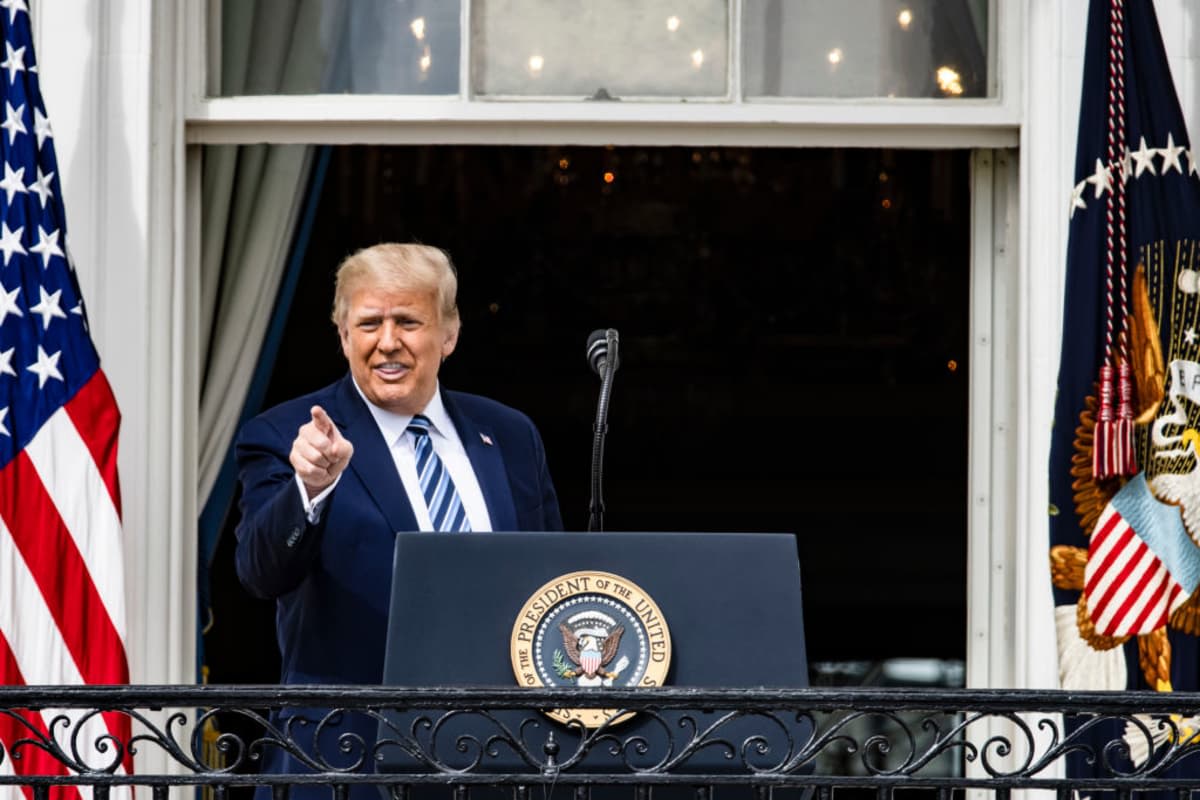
x,y
591,629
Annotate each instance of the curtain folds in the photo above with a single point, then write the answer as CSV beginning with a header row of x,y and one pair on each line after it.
x,y
244,249
252,196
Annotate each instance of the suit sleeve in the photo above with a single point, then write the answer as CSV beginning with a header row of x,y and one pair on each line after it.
x,y
276,543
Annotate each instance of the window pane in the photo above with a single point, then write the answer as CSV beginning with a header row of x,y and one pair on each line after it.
x,y
866,48
326,46
618,48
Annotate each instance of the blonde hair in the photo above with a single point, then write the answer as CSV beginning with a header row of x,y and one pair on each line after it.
x,y
398,267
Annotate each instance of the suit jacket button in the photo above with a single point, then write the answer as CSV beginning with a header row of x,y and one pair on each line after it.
x,y
294,537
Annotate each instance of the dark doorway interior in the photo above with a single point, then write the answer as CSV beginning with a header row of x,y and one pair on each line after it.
x,y
794,329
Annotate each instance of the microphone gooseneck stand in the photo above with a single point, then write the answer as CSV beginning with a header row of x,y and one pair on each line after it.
x,y
603,358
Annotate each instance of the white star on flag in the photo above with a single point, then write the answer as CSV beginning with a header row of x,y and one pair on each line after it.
x,y
1101,179
8,303
13,183
6,362
4,428
1077,197
10,241
41,186
14,7
13,122
15,62
47,246
41,127
48,307
46,367
1189,335
1144,156
1171,154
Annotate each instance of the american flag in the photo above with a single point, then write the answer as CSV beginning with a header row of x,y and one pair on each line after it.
x,y
1141,564
62,603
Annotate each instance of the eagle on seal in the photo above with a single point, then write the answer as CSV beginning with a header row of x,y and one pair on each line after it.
x,y
589,652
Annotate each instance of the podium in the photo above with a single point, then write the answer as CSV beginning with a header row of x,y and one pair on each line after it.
x,y
731,601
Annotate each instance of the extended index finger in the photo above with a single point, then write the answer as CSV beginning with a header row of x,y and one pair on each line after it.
x,y
322,421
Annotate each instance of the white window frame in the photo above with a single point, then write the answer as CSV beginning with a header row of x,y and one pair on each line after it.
x,y
791,122
990,127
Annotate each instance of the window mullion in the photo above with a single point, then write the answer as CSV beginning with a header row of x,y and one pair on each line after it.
x,y
464,52
734,91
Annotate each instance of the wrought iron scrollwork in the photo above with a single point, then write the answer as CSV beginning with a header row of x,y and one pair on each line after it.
x,y
223,735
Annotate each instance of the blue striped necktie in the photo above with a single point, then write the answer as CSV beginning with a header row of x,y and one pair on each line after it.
x,y
445,506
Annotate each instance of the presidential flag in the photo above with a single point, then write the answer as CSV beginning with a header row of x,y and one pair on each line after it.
x,y
1125,453
62,606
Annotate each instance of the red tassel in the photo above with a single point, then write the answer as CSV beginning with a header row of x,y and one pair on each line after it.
x,y
1126,458
1124,462
1105,435
1112,446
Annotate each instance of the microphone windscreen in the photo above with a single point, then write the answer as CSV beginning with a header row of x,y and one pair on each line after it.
x,y
597,349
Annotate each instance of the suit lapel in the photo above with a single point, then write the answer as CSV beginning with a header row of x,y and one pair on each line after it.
x,y
372,462
485,451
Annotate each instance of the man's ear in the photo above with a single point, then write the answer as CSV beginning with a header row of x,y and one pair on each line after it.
x,y
451,340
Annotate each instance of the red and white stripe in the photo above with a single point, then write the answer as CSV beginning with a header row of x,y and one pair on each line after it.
x,y
62,597
1129,590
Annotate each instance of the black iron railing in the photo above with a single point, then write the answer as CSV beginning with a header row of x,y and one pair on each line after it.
x,y
827,740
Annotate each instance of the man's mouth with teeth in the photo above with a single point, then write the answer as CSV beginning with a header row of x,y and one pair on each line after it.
x,y
391,368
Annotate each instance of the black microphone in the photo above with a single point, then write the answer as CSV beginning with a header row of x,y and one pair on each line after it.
x,y
597,350
603,358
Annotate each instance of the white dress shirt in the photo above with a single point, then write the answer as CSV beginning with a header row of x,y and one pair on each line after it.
x,y
449,448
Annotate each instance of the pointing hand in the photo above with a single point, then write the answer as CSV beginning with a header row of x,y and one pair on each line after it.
x,y
320,452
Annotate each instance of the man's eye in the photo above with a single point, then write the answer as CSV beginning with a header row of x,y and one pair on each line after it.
x,y
369,325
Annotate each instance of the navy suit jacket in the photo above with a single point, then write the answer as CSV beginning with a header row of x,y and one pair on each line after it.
x,y
332,580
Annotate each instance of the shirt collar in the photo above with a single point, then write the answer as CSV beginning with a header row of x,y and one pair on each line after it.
x,y
393,426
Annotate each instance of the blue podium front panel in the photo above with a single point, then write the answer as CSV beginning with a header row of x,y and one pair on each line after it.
x,y
731,602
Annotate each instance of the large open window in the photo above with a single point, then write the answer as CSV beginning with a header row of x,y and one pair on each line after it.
x,y
794,328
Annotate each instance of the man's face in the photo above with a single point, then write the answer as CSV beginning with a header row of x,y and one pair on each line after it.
x,y
395,343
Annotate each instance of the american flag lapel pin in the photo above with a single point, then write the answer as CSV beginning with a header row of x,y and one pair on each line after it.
x,y
486,439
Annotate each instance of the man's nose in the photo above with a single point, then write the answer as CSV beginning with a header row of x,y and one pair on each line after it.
x,y
389,337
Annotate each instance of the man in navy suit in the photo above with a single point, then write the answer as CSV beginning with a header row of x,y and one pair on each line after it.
x,y
329,479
